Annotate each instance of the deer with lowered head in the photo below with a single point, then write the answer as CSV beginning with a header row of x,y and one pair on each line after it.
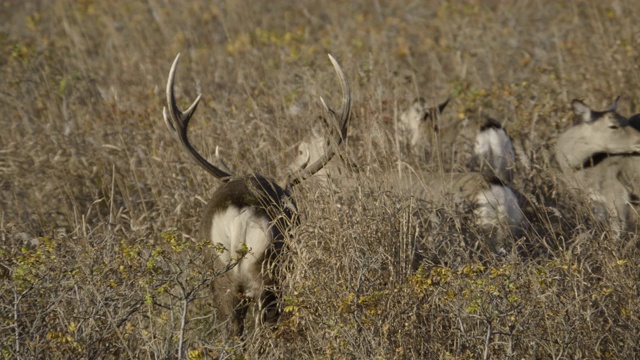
x,y
249,215
491,158
601,155
495,206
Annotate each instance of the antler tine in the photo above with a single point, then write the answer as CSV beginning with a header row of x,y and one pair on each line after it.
x,y
178,122
342,121
346,99
222,165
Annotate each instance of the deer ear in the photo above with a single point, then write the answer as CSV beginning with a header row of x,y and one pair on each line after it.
x,y
582,110
443,105
614,106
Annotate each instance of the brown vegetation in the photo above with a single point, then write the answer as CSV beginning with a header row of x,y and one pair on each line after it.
x,y
99,208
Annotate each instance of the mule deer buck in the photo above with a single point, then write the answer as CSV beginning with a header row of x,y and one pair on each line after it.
x,y
249,215
601,155
495,206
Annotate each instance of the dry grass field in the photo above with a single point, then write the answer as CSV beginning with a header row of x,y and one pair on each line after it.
x,y
99,207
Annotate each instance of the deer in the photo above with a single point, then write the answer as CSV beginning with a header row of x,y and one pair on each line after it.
x,y
600,155
483,181
249,215
422,124
495,205
446,144
312,148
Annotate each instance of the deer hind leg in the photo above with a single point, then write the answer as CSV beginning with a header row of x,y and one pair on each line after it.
x,y
269,309
239,315
231,304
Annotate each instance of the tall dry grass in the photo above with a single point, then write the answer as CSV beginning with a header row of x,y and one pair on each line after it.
x,y
99,208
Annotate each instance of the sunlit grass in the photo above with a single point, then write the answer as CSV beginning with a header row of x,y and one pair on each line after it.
x,y
99,208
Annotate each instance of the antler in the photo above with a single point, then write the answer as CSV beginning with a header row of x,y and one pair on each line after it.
x,y
342,122
178,122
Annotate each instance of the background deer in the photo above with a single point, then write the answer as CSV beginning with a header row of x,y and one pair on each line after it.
x,y
312,148
446,144
601,155
469,144
494,204
249,215
422,126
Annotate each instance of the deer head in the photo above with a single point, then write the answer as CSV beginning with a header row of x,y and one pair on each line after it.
x,y
598,134
418,116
